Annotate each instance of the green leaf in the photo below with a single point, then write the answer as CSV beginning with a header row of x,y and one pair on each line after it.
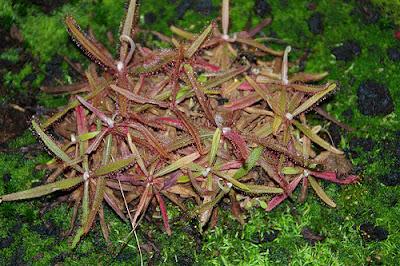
x,y
291,170
183,179
315,138
96,52
228,75
320,192
54,148
180,163
255,154
232,180
312,100
88,135
260,189
50,143
214,146
263,204
198,42
42,190
114,166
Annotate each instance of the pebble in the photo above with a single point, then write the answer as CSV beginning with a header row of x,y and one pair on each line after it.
x,y
394,54
374,99
316,23
262,8
347,51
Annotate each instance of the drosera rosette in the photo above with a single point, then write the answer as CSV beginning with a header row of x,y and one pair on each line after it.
x,y
190,123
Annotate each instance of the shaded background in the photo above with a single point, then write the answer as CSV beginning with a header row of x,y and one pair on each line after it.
x,y
357,42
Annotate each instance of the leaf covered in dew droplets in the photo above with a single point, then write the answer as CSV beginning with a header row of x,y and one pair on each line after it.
x,y
315,138
43,189
178,164
320,192
96,53
114,166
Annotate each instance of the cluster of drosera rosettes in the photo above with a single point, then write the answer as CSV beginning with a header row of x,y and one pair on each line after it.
x,y
192,123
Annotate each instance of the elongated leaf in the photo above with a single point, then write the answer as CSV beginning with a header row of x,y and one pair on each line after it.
x,y
114,166
127,29
54,148
315,138
182,33
98,200
209,205
251,161
260,189
135,151
243,102
198,42
308,77
228,75
191,129
258,89
180,163
151,139
95,144
137,98
238,142
260,46
160,60
225,17
97,53
201,97
214,146
96,111
88,135
50,143
332,177
164,214
275,201
313,99
43,190
232,180
291,170
143,203
320,192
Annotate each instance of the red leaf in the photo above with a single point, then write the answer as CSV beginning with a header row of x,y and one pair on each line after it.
x,y
275,201
331,176
243,102
163,211
238,142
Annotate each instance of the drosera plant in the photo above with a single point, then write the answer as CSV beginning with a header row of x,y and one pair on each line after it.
x,y
190,123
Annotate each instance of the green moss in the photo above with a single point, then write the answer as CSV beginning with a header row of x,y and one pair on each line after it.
x,y
389,7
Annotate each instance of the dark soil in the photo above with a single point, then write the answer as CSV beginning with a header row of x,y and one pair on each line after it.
x,y
347,51
48,6
262,8
6,241
394,53
374,99
370,232
391,179
316,23
12,123
266,237
311,237
335,133
150,18
47,228
367,11
203,6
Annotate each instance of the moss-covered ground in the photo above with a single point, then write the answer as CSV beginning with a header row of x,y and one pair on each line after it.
x,y
32,232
